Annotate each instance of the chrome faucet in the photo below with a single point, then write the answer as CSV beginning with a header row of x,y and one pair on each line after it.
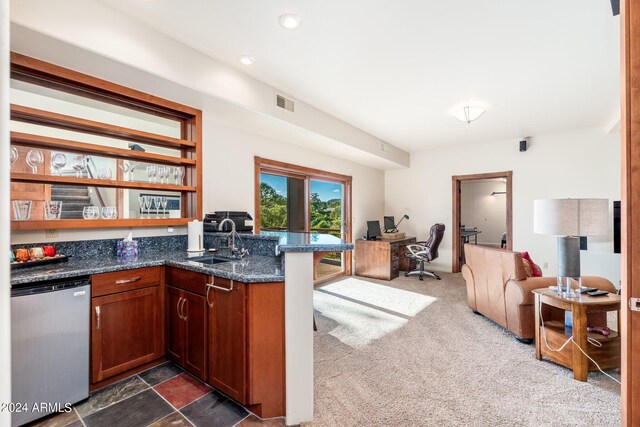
x,y
234,251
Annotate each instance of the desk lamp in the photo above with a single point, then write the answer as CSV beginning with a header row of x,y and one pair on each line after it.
x,y
405,216
569,219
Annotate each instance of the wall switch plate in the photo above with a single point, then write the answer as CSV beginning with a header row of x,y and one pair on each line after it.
x,y
51,233
545,265
169,229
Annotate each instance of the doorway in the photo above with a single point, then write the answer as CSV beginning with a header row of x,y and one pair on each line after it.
x,y
486,191
298,199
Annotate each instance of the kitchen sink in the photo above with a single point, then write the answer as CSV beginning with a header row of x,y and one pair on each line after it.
x,y
207,259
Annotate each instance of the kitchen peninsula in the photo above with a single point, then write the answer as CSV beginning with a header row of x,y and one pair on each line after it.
x,y
273,303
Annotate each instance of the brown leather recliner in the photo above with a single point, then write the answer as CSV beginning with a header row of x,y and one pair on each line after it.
x,y
498,288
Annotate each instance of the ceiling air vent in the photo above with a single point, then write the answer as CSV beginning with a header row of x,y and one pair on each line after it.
x,y
283,102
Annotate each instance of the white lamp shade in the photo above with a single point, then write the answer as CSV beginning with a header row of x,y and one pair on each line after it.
x,y
571,217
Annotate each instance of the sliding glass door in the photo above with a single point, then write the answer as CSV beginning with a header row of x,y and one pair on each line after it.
x,y
298,199
327,216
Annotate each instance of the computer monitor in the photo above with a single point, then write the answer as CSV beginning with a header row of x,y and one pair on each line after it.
x,y
389,224
373,230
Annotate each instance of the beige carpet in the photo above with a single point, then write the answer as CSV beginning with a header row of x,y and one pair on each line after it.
x,y
411,353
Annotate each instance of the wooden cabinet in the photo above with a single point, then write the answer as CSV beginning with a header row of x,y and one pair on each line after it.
x,y
186,326
246,343
227,338
383,259
126,321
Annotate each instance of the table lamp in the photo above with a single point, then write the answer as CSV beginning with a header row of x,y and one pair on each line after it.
x,y
569,219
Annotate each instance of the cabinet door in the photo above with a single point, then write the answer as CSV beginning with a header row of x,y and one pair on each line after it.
x,y
126,332
175,337
194,312
227,339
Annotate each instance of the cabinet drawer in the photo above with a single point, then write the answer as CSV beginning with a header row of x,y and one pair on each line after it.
x,y
187,280
126,280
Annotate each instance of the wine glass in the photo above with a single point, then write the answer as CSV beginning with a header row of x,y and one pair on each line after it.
x,y
152,171
164,174
13,155
141,202
105,173
128,168
163,204
156,202
178,174
34,159
58,161
147,203
79,164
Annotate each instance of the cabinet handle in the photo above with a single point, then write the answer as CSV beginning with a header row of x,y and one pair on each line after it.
x,y
178,308
97,317
184,300
125,281
220,288
210,304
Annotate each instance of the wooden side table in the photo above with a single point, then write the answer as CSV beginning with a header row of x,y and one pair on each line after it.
x,y
607,356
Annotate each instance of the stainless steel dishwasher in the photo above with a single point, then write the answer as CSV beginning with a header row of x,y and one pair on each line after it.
x,y
49,347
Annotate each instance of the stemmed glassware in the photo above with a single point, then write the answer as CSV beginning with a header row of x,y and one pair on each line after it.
x,y
79,164
163,204
13,155
105,173
58,161
145,205
34,159
156,203
164,173
178,174
152,171
128,168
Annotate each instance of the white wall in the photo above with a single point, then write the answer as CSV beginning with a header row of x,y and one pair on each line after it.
x,y
228,177
129,41
478,208
573,164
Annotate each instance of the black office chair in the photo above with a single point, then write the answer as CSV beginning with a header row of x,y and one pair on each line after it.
x,y
426,251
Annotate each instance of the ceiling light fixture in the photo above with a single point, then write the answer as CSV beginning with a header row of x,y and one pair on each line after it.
x,y
289,21
469,113
246,59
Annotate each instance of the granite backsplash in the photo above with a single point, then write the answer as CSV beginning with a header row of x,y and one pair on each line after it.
x,y
256,244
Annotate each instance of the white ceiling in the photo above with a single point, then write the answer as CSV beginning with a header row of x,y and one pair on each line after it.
x,y
396,69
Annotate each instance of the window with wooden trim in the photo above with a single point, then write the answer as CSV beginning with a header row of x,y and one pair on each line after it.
x,y
299,199
88,153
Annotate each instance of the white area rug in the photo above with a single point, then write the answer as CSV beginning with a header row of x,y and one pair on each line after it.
x,y
411,353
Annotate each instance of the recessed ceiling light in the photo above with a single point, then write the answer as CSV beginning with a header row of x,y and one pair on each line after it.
x,y
289,21
246,59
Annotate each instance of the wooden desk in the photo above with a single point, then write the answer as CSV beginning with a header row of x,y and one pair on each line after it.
x,y
607,356
383,259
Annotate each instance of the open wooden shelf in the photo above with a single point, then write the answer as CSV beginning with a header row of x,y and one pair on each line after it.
x,y
91,182
47,118
49,143
37,187
97,223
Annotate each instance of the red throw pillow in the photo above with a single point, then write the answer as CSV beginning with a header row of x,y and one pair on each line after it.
x,y
535,270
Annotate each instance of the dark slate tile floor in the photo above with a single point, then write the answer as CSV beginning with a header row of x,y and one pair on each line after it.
x,y
149,399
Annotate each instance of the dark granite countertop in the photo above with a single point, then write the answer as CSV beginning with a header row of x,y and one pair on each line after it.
x,y
308,242
252,269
